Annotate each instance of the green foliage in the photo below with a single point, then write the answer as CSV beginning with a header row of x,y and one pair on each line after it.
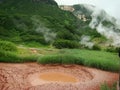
x,y
57,59
7,46
97,59
34,44
8,57
8,53
13,57
112,49
96,47
34,38
65,34
106,87
99,40
66,44
17,24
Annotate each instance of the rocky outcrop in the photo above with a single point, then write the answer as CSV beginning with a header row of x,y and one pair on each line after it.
x,y
67,8
72,9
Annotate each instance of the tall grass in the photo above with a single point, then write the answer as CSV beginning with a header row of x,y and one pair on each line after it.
x,y
9,53
97,59
7,46
11,57
57,59
106,87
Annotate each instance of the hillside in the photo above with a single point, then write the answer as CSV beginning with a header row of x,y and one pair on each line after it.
x,y
40,21
99,20
43,22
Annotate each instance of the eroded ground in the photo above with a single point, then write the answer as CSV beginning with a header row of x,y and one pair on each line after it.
x,y
33,76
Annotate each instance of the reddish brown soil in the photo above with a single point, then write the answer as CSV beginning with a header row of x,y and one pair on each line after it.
x,y
27,77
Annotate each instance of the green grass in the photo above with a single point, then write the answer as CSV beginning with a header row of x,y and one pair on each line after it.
x,y
9,52
12,57
7,46
57,59
97,59
106,87
91,58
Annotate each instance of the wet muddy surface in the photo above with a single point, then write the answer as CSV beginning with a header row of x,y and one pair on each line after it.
x,y
33,76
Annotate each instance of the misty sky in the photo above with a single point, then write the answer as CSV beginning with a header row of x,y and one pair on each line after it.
x,y
112,7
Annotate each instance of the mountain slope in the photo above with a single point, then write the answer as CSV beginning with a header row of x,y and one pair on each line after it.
x,y
99,20
43,22
34,20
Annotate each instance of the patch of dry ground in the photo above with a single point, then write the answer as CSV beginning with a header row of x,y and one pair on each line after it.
x,y
31,76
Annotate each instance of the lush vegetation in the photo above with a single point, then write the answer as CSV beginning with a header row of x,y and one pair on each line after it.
x,y
9,53
98,59
66,44
57,59
106,87
7,46
29,21
12,57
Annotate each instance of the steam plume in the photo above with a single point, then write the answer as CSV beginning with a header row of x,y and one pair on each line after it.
x,y
49,36
85,40
111,32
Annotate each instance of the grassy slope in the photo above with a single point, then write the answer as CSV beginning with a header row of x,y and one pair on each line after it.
x,y
14,14
17,26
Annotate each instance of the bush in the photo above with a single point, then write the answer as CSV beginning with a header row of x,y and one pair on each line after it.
x,y
96,47
34,38
66,44
7,46
112,49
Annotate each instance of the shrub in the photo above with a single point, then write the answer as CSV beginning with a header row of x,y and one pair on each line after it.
x,y
7,46
112,49
96,47
66,44
34,38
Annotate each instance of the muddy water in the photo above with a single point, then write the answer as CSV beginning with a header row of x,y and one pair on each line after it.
x,y
56,76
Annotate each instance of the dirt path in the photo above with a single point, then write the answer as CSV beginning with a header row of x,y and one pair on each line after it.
x,y
27,77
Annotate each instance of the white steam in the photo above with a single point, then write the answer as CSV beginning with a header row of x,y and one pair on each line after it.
x,y
49,36
111,32
85,40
